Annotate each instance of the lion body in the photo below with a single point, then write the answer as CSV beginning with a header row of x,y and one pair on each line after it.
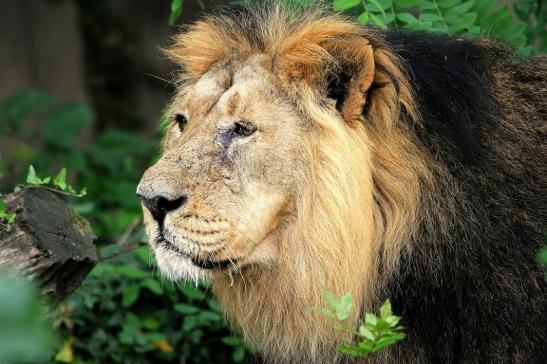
x,y
425,183
473,291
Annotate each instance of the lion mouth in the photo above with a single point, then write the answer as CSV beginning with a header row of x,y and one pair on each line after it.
x,y
197,261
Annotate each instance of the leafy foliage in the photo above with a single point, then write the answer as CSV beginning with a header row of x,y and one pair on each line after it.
x,y
375,332
533,13
59,183
127,315
6,218
25,334
176,10
460,17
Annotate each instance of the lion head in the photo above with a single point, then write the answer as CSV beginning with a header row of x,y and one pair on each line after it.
x,y
277,176
225,184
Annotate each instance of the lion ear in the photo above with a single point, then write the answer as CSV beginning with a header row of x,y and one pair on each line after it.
x,y
349,82
341,67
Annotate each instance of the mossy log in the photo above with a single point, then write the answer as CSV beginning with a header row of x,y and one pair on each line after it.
x,y
49,243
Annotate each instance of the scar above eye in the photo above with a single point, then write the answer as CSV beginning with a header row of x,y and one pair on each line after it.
x,y
233,103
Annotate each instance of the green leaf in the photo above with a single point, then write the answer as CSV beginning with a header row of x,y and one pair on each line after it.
x,y
144,255
132,323
176,10
32,178
426,5
7,217
60,179
82,192
374,6
464,22
371,319
331,299
385,4
407,18
344,307
430,17
186,309
131,272
66,353
189,323
376,20
447,3
231,340
10,218
191,292
407,3
239,354
130,295
366,333
385,310
363,18
342,5
210,316
392,321
213,305
64,124
153,286
483,8
460,9
151,323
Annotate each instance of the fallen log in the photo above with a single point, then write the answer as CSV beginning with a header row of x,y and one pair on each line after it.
x,y
49,243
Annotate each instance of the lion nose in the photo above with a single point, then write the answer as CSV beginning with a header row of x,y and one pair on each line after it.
x,y
159,206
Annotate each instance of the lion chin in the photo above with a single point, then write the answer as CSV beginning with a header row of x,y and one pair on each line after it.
x,y
305,152
176,266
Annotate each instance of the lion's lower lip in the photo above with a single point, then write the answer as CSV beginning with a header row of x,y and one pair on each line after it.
x,y
201,263
208,264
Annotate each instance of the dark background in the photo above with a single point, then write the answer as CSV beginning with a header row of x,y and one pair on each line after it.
x,y
105,54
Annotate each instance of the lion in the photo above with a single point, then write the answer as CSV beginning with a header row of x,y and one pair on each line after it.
x,y
305,152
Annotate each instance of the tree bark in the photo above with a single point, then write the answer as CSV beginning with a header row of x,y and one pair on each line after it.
x,y
49,243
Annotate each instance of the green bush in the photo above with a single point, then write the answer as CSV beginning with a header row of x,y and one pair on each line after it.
x,y
461,17
22,321
123,312
374,334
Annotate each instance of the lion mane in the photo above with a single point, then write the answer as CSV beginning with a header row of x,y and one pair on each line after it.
x,y
432,194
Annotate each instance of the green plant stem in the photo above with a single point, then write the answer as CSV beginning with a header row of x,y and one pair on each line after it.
x,y
380,8
365,9
376,339
440,15
395,22
54,190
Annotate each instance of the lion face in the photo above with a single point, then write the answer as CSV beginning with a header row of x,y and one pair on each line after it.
x,y
226,179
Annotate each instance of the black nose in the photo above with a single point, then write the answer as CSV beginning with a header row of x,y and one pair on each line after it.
x,y
159,205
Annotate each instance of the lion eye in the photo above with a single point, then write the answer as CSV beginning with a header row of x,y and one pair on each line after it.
x,y
244,128
181,121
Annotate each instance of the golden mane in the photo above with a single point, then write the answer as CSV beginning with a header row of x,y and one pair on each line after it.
x,y
357,209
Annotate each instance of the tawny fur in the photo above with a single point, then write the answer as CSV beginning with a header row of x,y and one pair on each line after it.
x,y
371,190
